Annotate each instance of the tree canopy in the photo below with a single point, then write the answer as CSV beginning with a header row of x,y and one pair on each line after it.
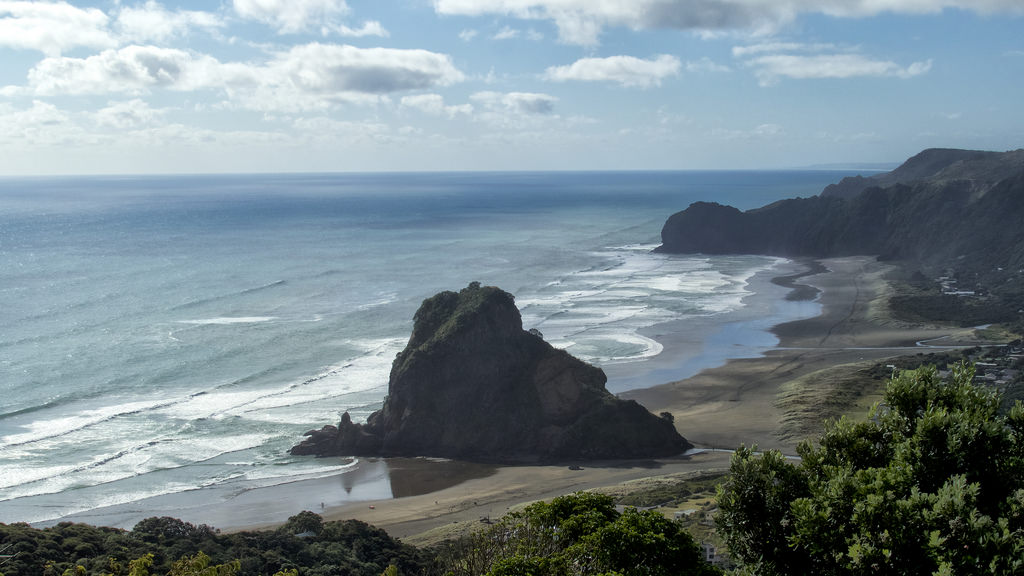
x,y
579,534
932,482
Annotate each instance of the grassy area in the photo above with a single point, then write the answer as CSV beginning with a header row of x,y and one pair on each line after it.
x,y
689,498
808,402
850,390
674,490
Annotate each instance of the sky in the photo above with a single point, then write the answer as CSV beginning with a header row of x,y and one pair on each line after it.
x,y
142,86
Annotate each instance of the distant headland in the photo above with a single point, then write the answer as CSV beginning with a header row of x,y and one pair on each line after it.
x,y
952,214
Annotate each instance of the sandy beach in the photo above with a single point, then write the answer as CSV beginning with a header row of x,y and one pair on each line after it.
x,y
718,408
736,403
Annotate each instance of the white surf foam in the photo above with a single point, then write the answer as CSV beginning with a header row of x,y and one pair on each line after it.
x,y
225,320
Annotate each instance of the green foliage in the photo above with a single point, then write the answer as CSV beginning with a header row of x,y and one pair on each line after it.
x,y
162,545
578,534
447,313
931,483
305,522
644,543
754,512
200,565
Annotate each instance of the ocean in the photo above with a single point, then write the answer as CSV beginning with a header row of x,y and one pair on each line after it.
x,y
167,334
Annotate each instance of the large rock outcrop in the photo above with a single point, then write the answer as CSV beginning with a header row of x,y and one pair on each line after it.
x,y
472,384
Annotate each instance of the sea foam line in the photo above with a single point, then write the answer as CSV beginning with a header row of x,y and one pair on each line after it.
x,y
222,320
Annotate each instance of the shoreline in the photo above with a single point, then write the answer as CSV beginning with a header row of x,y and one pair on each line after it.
x,y
692,345
730,403
736,403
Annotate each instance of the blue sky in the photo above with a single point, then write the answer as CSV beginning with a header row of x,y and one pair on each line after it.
x,y
334,85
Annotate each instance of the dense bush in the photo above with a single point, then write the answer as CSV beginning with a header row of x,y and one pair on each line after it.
x,y
578,534
931,483
162,545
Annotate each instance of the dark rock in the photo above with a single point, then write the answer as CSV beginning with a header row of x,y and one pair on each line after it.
x,y
472,384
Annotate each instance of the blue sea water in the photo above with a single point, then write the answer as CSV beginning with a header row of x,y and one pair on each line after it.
x,y
162,334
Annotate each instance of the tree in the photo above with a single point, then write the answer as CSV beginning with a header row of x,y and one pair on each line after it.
x,y
304,522
579,534
754,510
199,565
639,543
931,483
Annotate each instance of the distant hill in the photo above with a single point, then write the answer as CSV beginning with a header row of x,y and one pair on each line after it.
x,y
938,164
958,211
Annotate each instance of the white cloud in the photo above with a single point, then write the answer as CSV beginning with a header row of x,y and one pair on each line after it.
x,y
319,76
771,67
326,68
324,128
706,64
52,27
434,105
582,21
468,34
766,131
42,125
506,33
291,16
775,47
40,114
624,70
131,114
775,60
370,28
133,69
310,76
523,103
151,22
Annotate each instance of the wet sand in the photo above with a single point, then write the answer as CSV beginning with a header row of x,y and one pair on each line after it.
x,y
478,499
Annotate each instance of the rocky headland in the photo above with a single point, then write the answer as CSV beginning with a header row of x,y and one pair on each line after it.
x,y
943,213
939,206
473,384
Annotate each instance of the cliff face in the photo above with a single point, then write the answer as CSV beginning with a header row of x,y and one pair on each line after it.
x,y
472,384
942,208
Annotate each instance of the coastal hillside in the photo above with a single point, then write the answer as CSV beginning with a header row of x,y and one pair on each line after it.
x,y
954,213
472,384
